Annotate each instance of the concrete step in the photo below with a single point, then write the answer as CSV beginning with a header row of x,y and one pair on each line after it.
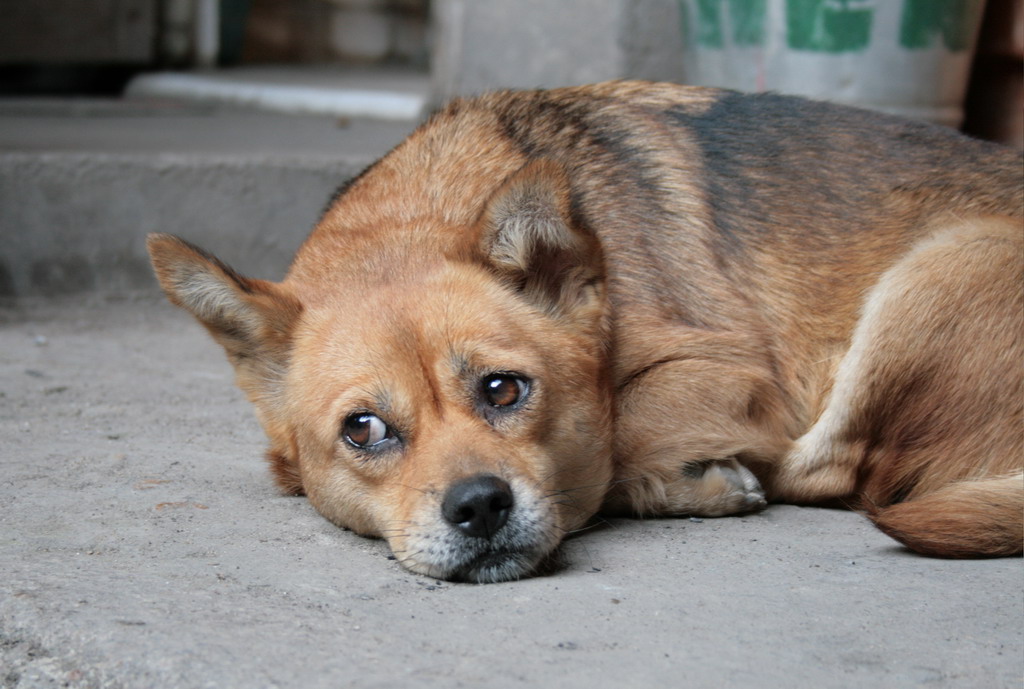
x,y
376,92
83,181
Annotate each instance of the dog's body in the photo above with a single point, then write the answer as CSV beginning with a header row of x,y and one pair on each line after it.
x,y
638,297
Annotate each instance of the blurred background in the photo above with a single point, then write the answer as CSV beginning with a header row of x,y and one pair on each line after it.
x,y
957,62
230,121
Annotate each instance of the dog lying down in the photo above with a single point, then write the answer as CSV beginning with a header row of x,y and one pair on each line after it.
x,y
646,299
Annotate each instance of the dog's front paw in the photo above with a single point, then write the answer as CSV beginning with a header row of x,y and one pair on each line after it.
x,y
715,488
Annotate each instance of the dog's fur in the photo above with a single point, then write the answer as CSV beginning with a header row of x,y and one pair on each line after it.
x,y
635,298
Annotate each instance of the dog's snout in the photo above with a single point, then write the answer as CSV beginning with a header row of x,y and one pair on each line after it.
x,y
479,505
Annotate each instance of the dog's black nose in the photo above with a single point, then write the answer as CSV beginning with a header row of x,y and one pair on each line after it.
x,y
478,505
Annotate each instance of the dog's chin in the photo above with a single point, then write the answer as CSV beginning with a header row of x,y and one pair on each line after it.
x,y
492,568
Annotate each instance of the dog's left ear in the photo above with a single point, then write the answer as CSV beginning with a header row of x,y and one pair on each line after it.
x,y
529,238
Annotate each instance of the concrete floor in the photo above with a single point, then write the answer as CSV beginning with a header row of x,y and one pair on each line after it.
x,y
142,543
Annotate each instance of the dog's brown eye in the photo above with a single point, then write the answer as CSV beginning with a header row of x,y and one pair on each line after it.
x,y
364,430
504,389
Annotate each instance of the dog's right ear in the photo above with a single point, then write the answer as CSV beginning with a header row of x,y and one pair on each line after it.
x,y
251,319
530,238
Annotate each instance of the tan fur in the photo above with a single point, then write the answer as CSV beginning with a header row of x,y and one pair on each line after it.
x,y
699,301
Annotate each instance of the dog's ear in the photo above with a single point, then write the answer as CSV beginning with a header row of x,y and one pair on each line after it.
x,y
529,238
251,319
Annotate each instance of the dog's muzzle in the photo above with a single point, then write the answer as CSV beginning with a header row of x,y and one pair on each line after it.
x,y
485,529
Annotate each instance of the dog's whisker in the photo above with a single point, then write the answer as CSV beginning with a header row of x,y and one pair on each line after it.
x,y
587,527
409,558
429,490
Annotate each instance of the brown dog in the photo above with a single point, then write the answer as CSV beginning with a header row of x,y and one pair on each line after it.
x,y
636,297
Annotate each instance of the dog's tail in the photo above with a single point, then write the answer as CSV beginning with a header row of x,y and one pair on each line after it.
x,y
974,518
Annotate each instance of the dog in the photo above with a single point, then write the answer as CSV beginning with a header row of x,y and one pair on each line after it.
x,y
643,299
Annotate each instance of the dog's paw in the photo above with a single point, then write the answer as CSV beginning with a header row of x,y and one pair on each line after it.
x,y
720,487
746,489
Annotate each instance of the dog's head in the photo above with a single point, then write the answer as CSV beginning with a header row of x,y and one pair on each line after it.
x,y
452,398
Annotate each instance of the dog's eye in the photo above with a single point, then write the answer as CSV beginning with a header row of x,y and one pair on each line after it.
x,y
365,430
504,389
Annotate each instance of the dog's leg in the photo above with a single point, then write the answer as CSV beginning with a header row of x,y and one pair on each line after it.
x,y
930,391
683,428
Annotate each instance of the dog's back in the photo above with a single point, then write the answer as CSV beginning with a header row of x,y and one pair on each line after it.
x,y
875,263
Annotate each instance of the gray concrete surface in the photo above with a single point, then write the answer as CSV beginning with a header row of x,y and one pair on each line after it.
x,y
142,544
82,182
